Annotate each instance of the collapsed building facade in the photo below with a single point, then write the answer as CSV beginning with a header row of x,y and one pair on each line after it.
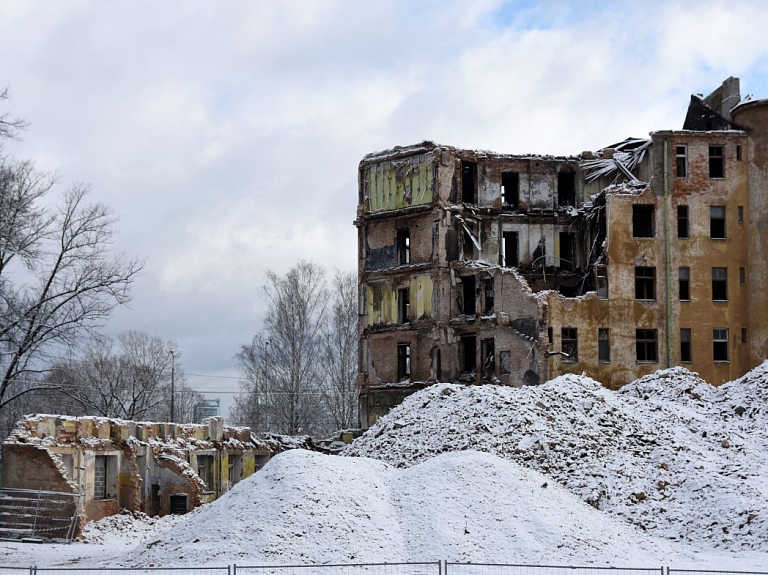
x,y
479,267
155,468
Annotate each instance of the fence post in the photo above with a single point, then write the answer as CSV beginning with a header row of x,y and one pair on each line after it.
x,y
234,569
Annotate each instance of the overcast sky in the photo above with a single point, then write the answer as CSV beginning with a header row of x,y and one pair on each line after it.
x,y
226,135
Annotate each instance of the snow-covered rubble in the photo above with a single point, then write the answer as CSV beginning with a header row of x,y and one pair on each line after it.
x,y
306,507
669,453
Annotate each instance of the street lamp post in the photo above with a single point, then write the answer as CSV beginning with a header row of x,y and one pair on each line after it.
x,y
173,375
264,386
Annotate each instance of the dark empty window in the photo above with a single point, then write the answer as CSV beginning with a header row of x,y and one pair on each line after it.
x,y
509,252
403,246
403,305
510,190
489,296
569,344
645,283
719,284
716,162
738,153
743,335
740,214
488,357
403,361
603,346
681,161
685,284
567,250
682,222
601,273
642,221
647,345
566,189
468,295
742,275
685,344
468,182
469,353
470,247
720,344
717,222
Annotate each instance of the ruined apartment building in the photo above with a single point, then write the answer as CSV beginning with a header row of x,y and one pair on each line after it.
x,y
479,267
156,468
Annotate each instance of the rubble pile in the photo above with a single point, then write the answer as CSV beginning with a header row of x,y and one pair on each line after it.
x,y
668,453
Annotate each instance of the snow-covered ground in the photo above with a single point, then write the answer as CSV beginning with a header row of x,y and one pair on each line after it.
x,y
668,471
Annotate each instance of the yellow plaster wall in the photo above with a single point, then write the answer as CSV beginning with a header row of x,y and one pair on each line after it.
x,y
399,183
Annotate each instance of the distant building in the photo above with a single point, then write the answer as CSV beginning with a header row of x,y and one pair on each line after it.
x,y
482,267
157,468
206,408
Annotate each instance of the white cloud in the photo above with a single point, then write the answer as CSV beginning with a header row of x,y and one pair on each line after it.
x,y
227,136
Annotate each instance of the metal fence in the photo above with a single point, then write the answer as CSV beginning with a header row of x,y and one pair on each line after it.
x,y
429,568
671,571
131,570
511,569
25,513
434,568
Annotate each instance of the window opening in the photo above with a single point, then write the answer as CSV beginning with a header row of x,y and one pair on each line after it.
x,y
510,190
569,344
509,255
469,249
685,344
566,189
178,504
603,346
489,296
468,294
717,222
645,283
647,345
567,251
743,336
505,362
720,344
549,336
681,161
682,221
404,304
403,246
740,214
403,361
719,284
642,221
685,284
738,153
742,275
468,182
716,162
488,357
205,470
601,273
469,353
100,478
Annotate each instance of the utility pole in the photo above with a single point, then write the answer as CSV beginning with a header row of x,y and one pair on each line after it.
x,y
173,375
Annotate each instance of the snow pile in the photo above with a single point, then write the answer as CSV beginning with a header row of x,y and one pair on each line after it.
x,y
669,453
306,507
126,527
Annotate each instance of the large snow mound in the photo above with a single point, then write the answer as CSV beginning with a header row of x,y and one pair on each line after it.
x,y
305,507
669,453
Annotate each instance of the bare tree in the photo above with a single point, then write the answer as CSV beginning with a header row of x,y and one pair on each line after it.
x,y
132,382
57,280
339,352
291,390
10,126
